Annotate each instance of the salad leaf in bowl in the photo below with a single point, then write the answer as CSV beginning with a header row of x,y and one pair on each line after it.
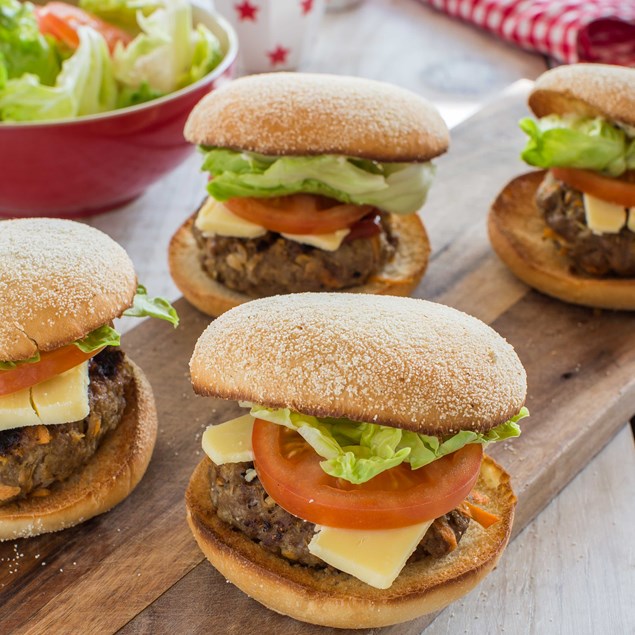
x,y
93,98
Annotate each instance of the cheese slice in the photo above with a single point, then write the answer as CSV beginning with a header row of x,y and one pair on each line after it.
x,y
375,557
215,219
61,399
326,242
16,410
603,217
631,219
230,442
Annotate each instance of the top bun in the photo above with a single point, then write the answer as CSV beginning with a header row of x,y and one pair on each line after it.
x,y
59,280
398,362
305,114
589,90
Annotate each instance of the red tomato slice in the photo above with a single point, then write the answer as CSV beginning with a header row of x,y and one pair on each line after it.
x,y
50,364
298,213
620,191
367,227
62,20
289,470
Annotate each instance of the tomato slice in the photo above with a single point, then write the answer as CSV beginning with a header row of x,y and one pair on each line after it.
x,y
620,191
62,20
289,470
50,364
298,213
366,227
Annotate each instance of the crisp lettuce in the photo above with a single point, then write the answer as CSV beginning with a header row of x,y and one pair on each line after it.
x,y
578,142
129,96
103,336
122,13
144,306
85,85
168,54
358,452
23,49
400,188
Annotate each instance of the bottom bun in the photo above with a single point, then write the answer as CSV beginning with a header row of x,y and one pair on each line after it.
x,y
400,276
331,598
517,233
111,474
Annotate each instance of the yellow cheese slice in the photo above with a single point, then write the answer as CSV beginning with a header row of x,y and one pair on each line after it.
x,y
327,242
603,217
215,219
375,557
16,410
63,398
230,442
631,219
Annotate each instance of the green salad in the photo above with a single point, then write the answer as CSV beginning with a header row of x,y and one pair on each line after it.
x,y
59,61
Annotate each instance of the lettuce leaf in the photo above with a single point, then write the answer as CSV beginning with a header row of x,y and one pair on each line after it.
x,y
144,306
400,188
358,452
122,13
578,142
85,86
168,53
129,96
23,49
103,336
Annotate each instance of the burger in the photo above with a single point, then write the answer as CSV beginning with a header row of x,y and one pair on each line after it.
x,y
355,492
315,181
570,231
77,416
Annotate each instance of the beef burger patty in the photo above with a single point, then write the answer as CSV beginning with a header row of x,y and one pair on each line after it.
x,y
35,457
593,254
241,501
271,264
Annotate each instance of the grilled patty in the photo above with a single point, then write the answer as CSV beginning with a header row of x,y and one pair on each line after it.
x,y
271,264
596,255
35,457
247,507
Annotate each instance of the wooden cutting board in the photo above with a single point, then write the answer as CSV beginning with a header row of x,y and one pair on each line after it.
x,y
138,568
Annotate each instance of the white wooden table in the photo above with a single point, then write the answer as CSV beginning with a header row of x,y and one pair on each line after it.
x,y
573,569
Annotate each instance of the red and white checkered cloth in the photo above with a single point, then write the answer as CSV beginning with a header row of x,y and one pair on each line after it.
x,y
567,30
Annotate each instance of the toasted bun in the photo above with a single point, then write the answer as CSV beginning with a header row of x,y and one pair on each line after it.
x,y
517,234
111,474
590,90
393,361
332,598
59,280
398,277
305,114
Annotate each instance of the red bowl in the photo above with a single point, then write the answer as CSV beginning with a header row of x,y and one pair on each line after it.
x,y
78,167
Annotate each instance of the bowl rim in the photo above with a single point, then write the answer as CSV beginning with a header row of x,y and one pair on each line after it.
x,y
215,73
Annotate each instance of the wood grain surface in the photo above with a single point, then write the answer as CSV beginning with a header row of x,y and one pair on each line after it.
x,y
138,569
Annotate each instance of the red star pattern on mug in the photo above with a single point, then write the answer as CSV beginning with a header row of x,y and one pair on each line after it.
x,y
306,5
278,55
247,11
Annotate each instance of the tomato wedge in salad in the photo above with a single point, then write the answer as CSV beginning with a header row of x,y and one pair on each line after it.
x,y
620,191
51,364
62,20
289,470
298,213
